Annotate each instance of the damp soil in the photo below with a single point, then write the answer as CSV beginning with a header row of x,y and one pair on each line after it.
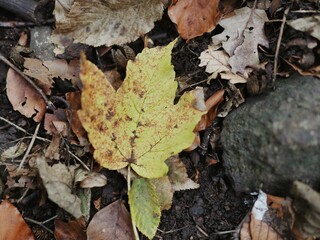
x,y
214,211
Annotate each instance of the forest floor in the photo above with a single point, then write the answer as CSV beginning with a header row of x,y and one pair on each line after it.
x,y
212,211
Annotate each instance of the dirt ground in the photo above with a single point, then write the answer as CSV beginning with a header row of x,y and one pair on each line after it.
x,y
214,211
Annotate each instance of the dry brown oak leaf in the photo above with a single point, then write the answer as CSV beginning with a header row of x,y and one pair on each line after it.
x,y
194,17
139,124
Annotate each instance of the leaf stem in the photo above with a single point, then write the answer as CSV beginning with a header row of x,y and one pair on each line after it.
x,y
135,231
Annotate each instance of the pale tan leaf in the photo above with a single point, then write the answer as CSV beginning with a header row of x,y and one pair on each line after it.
x,y
217,62
58,181
309,25
89,179
178,175
242,34
101,22
14,151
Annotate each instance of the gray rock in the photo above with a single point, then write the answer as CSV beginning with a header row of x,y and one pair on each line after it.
x,y
40,43
274,139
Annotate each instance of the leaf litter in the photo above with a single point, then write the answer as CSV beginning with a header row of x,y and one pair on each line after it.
x,y
157,192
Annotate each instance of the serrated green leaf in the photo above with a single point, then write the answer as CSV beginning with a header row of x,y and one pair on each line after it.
x,y
144,206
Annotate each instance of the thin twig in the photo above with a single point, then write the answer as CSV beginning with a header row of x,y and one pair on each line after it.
x,y
79,160
16,126
29,147
39,90
305,11
225,232
276,56
14,24
40,224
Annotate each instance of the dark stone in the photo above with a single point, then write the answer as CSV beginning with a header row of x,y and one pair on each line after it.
x,y
274,139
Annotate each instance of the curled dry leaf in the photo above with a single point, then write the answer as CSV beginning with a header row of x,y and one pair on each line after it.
x,y
12,225
194,17
74,99
111,222
212,104
101,22
138,125
23,97
89,179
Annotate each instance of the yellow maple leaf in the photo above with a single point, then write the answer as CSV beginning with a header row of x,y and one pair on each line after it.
x,y
138,124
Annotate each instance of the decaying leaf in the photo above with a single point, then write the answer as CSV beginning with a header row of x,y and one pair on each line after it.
x,y
144,206
139,124
24,97
270,218
12,225
178,175
101,22
56,123
14,151
45,71
89,179
194,17
242,34
212,104
164,190
217,62
111,222
74,99
309,25
58,181
72,230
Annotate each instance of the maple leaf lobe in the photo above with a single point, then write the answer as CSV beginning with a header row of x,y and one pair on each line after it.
x,y
140,121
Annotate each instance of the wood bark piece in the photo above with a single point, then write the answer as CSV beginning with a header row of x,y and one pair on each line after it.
x,y
27,9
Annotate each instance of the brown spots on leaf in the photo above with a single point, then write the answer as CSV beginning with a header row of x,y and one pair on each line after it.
x,y
128,118
141,94
109,153
109,114
175,126
101,127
